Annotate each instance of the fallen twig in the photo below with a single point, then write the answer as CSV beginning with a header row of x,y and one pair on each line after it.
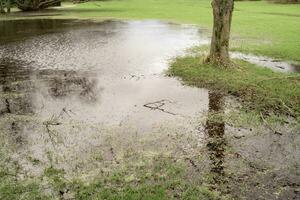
x,y
54,122
268,125
291,112
51,123
157,105
192,162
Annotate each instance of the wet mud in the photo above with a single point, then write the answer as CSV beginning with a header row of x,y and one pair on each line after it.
x,y
253,162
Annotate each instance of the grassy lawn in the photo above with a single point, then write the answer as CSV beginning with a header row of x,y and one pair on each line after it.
x,y
160,179
258,27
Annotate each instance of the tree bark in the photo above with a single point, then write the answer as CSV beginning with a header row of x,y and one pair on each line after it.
x,y
219,50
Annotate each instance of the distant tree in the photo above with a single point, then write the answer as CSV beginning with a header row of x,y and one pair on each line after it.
x,y
2,7
8,4
5,4
222,13
31,5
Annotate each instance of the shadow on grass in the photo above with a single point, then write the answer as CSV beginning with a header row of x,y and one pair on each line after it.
x,y
83,10
59,12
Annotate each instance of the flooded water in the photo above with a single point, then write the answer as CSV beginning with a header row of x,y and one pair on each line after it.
x,y
90,78
274,64
104,72
86,96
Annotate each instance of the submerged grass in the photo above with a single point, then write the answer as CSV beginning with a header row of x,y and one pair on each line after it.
x,y
258,89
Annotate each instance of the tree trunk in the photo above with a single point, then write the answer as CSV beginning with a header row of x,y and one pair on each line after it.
x,y
219,50
33,5
8,4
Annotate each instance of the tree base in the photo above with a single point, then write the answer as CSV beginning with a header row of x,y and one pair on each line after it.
x,y
218,61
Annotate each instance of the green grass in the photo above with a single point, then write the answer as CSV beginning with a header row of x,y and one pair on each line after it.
x,y
13,190
159,179
10,187
258,27
258,89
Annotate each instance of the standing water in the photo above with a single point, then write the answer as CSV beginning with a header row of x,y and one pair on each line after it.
x,y
88,97
66,83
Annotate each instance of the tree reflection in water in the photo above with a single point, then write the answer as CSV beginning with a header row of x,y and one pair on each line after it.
x,y
21,85
215,128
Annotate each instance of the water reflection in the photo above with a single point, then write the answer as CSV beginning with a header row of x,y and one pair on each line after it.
x,y
19,85
15,87
77,61
62,83
16,30
81,82
215,128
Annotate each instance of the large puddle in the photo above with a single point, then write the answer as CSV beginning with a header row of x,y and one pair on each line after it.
x,y
66,83
85,96
110,72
